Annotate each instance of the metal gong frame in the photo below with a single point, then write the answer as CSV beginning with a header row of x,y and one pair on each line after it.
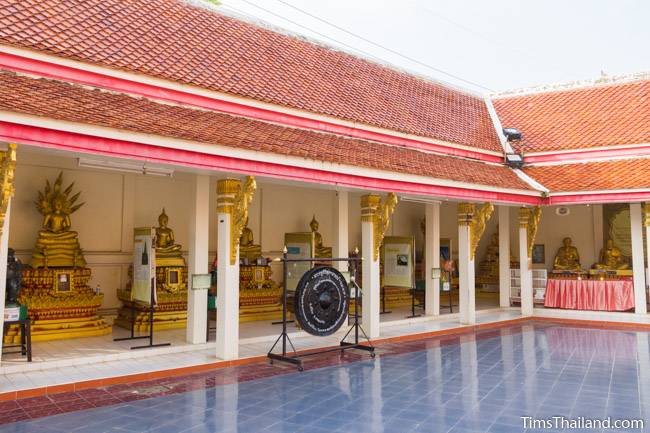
x,y
296,358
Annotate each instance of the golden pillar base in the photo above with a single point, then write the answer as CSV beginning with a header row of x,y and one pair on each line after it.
x,y
397,297
60,304
171,293
61,329
161,320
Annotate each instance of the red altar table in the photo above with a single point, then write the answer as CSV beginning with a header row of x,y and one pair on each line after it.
x,y
607,295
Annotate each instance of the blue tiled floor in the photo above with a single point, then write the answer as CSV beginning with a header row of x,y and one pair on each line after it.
x,y
474,386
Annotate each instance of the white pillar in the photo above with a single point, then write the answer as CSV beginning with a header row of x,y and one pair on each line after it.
x,y
638,264
370,267
504,256
341,248
4,246
227,339
197,300
525,265
432,259
466,283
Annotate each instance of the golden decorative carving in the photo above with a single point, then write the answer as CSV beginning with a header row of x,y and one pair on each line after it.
x,y
373,210
7,171
233,198
479,222
476,219
646,214
382,216
529,219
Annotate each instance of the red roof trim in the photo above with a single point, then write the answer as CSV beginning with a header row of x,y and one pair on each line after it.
x,y
587,154
53,139
595,198
52,70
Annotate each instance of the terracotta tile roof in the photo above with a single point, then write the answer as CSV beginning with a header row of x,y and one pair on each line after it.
x,y
593,176
588,117
176,41
63,101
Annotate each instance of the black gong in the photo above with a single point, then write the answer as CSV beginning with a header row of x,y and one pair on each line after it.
x,y
321,301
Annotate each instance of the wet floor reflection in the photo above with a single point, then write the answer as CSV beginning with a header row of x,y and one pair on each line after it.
x,y
466,383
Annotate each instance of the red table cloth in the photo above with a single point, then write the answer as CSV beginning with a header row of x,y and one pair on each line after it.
x,y
607,295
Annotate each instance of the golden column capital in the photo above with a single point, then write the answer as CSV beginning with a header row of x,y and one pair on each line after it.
x,y
369,205
379,213
476,219
466,213
529,220
646,214
7,173
233,198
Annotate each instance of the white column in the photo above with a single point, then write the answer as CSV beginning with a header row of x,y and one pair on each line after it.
x,y
197,300
4,246
370,267
525,265
341,248
432,258
504,256
227,339
466,283
638,265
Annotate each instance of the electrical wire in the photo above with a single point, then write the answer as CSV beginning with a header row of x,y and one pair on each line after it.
x,y
390,50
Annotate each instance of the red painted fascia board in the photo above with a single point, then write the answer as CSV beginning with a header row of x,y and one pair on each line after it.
x,y
587,154
593,198
88,144
51,70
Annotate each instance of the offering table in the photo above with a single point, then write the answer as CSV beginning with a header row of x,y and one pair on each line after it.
x,y
590,294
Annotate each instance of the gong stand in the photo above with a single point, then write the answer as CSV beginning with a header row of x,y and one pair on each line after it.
x,y
296,359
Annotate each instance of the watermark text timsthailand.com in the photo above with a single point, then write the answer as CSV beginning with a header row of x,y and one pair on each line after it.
x,y
561,422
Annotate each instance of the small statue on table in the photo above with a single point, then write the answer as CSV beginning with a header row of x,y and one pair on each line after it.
x,y
611,258
247,248
567,258
320,250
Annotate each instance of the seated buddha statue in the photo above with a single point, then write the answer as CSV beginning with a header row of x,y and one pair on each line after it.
x,y
247,247
168,253
56,245
611,258
567,258
320,250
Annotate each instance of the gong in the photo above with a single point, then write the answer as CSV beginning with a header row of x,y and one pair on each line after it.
x,y
321,301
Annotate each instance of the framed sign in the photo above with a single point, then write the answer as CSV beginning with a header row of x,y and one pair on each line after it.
x,y
299,246
398,259
63,282
144,265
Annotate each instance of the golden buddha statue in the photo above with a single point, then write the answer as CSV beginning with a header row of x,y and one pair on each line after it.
x,y
55,288
567,258
170,311
56,245
611,258
168,253
320,250
247,248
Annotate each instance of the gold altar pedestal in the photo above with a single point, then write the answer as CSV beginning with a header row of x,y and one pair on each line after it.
x,y
397,297
60,305
259,297
171,310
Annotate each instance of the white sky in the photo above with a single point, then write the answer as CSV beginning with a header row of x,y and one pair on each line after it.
x,y
499,44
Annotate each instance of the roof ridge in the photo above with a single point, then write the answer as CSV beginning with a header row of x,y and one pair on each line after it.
x,y
602,81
